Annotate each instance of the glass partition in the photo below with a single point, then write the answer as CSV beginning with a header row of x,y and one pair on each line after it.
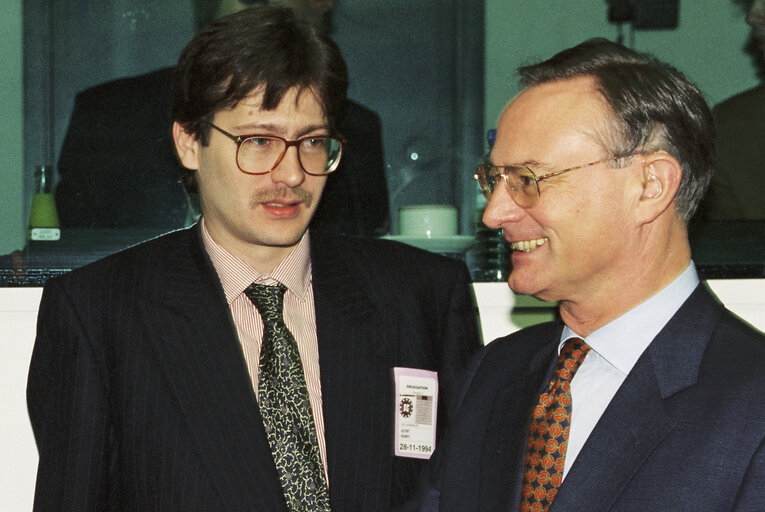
x,y
434,73
97,97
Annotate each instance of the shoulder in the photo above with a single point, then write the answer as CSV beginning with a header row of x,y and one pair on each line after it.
x,y
515,354
150,87
387,271
528,347
706,348
704,315
388,255
523,344
737,348
137,263
742,102
161,77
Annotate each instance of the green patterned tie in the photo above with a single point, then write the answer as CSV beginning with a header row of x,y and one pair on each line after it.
x,y
285,407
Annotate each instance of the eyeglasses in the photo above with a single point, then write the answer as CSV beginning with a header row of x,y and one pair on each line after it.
x,y
261,154
521,182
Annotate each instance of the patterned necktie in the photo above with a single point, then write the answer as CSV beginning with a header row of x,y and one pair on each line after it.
x,y
285,407
548,432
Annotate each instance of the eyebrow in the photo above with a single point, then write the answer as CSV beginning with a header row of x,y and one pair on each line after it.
x,y
270,128
526,163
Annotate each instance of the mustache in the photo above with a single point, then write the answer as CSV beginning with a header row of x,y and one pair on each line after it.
x,y
274,194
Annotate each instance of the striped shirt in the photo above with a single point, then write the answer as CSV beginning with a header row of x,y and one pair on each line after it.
x,y
294,272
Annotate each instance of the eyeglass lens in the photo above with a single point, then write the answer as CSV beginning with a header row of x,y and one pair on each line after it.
x,y
318,155
520,181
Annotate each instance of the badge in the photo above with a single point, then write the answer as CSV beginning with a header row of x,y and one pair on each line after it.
x,y
416,412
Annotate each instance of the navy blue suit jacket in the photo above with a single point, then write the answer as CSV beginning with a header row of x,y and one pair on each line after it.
x,y
685,431
140,399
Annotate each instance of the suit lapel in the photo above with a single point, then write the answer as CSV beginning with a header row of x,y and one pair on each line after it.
x,y
195,341
355,357
638,418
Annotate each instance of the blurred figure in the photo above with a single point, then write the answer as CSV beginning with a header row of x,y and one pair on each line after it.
x,y
737,186
117,168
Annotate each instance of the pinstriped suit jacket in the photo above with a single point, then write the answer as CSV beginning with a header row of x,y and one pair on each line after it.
x,y
140,399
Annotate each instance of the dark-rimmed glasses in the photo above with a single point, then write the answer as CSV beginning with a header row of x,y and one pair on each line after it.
x,y
261,154
521,182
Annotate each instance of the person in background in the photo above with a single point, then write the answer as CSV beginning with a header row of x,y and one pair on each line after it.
x,y
118,170
646,395
736,189
246,363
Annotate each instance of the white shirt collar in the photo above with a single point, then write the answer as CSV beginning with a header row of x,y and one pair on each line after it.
x,y
623,340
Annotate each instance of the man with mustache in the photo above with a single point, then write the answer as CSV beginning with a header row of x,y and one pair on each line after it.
x,y
245,363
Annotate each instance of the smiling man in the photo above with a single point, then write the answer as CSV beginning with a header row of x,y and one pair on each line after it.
x,y
246,363
645,396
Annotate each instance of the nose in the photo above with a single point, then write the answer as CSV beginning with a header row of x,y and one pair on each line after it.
x,y
502,209
289,170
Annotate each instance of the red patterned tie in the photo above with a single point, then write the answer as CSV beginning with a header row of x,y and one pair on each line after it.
x,y
549,430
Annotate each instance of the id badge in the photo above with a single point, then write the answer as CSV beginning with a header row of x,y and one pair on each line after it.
x,y
416,412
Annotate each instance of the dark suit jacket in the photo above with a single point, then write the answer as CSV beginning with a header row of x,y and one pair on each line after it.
x,y
685,431
140,399
737,185
118,167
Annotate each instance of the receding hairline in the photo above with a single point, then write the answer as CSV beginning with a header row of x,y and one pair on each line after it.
x,y
606,131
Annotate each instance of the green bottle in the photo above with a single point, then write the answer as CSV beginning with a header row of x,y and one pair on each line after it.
x,y
43,218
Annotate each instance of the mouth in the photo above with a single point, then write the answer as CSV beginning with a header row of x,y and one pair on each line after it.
x,y
527,245
272,204
281,209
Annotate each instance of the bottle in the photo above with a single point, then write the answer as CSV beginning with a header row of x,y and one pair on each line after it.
x,y
490,262
43,218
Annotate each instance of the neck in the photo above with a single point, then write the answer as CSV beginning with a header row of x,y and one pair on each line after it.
x,y
658,261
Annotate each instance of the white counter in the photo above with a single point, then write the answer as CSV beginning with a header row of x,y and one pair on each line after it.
x,y
500,313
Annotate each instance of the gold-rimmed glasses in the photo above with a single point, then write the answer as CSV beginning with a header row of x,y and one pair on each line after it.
x,y
261,154
521,182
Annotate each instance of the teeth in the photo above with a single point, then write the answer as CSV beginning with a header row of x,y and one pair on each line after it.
x,y
527,245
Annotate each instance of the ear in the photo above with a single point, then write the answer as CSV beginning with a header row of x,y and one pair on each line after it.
x,y
660,179
186,146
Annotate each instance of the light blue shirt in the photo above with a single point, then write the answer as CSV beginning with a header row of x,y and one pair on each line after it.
x,y
614,350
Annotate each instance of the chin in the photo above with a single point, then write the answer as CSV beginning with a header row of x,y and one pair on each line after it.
x,y
521,283
283,239
520,286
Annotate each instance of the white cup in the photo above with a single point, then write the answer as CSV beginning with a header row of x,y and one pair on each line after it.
x,y
427,220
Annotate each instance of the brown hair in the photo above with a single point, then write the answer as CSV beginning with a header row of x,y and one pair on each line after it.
x,y
266,47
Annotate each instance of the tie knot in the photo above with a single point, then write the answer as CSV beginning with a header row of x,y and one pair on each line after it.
x,y
267,299
571,356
